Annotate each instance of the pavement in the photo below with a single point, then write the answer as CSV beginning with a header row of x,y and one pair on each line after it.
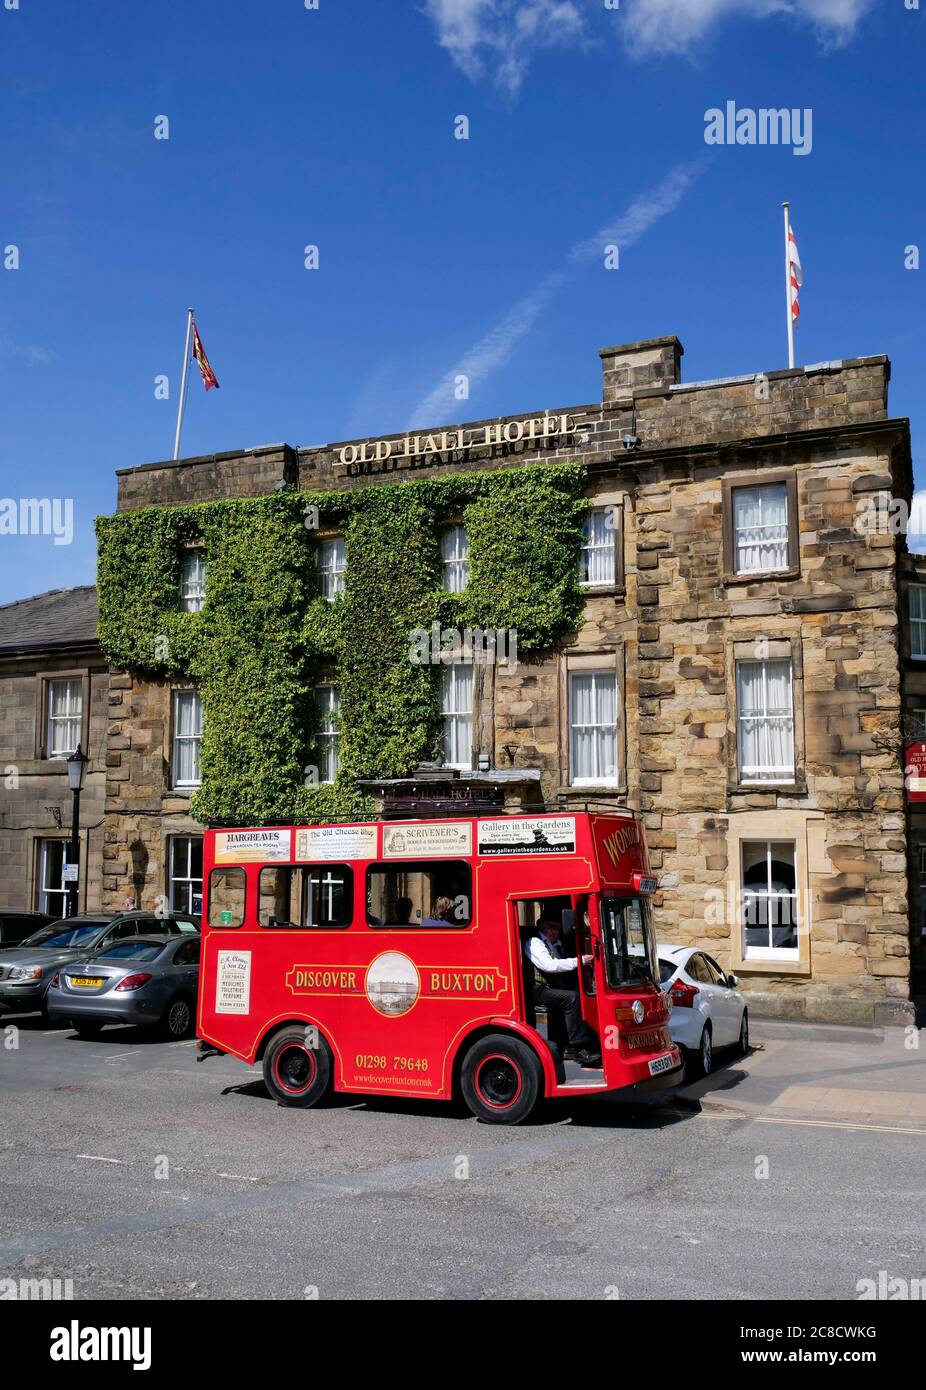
x,y
127,1170
823,1073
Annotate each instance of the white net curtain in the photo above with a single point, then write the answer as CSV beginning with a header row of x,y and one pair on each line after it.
x,y
760,524
188,729
593,711
64,717
597,556
457,704
766,720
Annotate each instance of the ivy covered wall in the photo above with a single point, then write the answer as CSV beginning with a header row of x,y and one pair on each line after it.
x,y
265,631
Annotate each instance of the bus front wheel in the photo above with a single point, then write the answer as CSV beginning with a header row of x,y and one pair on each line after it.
x,y
501,1080
297,1068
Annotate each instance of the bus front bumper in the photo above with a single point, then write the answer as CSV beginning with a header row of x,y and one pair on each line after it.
x,y
663,1082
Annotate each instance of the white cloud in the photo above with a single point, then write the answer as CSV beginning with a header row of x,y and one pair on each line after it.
x,y
676,26
30,353
492,351
498,38
501,36
495,347
646,209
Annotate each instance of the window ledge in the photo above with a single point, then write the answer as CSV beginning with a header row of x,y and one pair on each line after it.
x,y
785,966
603,590
581,789
51,767
795,788
761,576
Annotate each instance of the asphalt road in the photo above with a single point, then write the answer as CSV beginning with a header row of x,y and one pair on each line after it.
x,y
137,1173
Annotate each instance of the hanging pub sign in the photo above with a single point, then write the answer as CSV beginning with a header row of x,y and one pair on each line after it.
x,y
915,771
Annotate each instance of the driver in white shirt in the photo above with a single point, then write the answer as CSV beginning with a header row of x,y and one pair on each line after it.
x,y
559,991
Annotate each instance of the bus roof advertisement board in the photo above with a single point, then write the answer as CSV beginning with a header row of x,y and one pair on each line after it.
x,y
340,842
252,846
510,835
422,840
620,849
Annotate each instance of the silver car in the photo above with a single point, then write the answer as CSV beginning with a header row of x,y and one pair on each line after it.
x,y
26,970
149,981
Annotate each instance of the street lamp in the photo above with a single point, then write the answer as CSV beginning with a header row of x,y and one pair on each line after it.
x,y
77,767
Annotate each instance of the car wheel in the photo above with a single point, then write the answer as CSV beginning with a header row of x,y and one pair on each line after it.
x,y
699,1061
743,1045
501,1080
177,1019
294,1072
86,1028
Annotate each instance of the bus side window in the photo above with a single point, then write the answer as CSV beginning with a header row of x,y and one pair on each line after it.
x,y
227,890
420,893
302,895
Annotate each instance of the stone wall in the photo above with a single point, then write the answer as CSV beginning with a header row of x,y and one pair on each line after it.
x,y
661,453
673,631
642,397
34,788
142,811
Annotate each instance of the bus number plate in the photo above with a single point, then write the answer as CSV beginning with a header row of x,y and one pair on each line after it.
x,y
660,1064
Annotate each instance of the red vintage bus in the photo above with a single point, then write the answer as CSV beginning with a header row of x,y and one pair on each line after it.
x,y
389,957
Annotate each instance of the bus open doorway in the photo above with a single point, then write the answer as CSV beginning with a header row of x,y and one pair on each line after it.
x,y
578,1060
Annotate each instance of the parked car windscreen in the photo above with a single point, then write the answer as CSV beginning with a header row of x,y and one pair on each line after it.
x,y
58,935
667,969
132,950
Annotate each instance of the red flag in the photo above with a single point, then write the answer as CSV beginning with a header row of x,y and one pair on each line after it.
x,y
796,272
202,361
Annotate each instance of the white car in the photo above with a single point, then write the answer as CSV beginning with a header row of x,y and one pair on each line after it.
x,y
707,1012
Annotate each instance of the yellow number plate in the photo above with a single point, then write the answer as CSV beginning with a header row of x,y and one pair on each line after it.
x,y
85,982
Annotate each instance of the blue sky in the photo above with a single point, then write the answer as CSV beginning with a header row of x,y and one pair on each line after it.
x,y
335,127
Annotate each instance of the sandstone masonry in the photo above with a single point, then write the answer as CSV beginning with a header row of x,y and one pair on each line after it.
x,y
674,627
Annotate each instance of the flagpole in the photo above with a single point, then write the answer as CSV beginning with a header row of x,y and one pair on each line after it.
x,y
786,207
183,379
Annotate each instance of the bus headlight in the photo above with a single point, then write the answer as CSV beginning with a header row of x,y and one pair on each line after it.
x,y
638,1011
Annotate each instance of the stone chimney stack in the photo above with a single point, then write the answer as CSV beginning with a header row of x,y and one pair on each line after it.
x,y
640,366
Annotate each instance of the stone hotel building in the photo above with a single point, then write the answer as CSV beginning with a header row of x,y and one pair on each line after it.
x,y
738,675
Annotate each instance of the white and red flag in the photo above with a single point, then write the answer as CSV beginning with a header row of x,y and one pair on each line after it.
x,y
795,275
202,361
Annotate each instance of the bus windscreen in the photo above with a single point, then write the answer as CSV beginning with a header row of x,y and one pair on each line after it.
x,y
629,947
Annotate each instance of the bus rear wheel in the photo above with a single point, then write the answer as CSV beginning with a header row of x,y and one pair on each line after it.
x,y
501,1080
296,1073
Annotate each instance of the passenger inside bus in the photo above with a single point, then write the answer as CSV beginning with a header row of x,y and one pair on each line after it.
x,y
419,893
558,992
442,913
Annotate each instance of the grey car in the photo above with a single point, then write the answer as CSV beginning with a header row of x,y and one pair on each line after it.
x,y
26,970
16,926
149,981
